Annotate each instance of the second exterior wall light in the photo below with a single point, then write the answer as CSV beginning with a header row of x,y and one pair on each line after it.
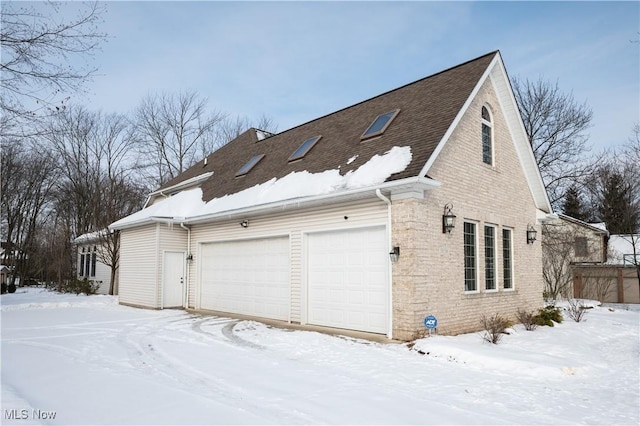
x,y
531,234
448,219
394,254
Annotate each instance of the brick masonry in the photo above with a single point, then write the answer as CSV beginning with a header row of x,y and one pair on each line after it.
x,y
429,276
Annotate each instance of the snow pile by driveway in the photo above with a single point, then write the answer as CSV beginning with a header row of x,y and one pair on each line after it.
x,y
87,360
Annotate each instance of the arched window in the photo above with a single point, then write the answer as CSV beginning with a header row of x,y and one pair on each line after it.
x,y
487,137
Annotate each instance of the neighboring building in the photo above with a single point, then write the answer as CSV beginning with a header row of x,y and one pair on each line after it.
x,y
89,265
4,274
342,222
624,262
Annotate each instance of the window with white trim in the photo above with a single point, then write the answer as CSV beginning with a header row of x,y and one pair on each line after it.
x,y
81,266
487,137
507,259
93,263
470,257
489,257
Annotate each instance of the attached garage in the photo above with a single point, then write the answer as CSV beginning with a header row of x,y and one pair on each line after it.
x,y
248,277
348,281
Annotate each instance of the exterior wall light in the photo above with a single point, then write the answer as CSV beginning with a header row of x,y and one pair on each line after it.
x,y
189,257
394,254
531,234
244,223
448,219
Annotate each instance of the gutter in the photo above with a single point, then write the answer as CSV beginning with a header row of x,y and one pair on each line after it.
x,y
189,259
388,202
292,203
425,183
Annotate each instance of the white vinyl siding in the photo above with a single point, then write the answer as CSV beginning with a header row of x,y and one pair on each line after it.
x,y
139,266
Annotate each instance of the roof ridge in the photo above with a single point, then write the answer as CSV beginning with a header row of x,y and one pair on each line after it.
x,y
390,91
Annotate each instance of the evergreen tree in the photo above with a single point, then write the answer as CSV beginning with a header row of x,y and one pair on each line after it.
x,y
616,207
572,205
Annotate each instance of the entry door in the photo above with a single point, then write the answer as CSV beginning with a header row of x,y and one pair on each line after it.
x,y
173,279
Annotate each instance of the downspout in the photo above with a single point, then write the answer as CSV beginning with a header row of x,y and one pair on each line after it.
x,y
188,266
390,307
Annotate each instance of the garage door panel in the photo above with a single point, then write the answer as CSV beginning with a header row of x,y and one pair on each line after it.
x,y
347,279
249,277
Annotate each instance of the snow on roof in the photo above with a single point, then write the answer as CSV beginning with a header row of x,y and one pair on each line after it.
x,y
599,225
89,237
189,204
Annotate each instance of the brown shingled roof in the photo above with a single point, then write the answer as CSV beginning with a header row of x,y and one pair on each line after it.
x,y
427,109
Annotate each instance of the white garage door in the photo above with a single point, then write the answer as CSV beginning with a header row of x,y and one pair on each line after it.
x,y
249,277
348,285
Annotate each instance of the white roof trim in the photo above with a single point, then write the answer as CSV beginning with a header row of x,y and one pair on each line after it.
x,y
497,75
456,120
182,185
291,203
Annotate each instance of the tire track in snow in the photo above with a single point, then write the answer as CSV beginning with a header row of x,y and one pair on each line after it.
x,y
146,356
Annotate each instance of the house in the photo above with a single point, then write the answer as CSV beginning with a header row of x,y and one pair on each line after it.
x,y
91,251
4,274
571,248
420,201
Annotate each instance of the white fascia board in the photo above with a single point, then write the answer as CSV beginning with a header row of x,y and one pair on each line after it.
x,y
458,117
148,220
182,185
509,107
295,203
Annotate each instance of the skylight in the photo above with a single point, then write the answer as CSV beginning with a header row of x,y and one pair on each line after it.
x,y
304,148
250,164
380,124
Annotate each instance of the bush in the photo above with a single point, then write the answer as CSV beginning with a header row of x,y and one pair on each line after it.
x,y
77,286
527,319
576,310
494,326
547,316
11,288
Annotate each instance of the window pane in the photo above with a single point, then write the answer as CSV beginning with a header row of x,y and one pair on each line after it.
x,y
485,114
247,167
380,124
486,144
490,257
304,148
470,257
507,259
81,268
93,264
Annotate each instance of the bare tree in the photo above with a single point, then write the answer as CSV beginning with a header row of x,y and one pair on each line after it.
x,y
555,125
230,128
28,175
38,44
173,130
99,182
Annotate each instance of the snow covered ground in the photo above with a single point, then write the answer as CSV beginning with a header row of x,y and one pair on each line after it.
x,y
70,359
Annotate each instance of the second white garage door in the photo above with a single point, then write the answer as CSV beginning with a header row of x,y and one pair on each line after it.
x,y
348,284
249,277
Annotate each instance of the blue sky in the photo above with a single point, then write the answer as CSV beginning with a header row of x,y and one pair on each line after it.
x,y
296,61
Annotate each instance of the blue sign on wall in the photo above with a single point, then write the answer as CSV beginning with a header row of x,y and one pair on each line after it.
x,y
430,322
